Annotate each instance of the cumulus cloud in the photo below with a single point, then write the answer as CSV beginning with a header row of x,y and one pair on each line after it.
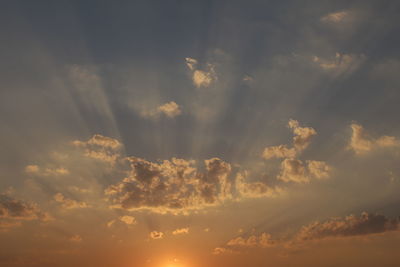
x,y
361,142
294,170
301,140
318,169
178,186
237,244
255,189
201,78
100,147
171,186
350,226
156,235
12,211
341,64
69,203
181,231
169,110
302,135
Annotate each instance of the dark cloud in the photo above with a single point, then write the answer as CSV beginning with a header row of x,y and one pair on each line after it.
x,y
366,224
12,211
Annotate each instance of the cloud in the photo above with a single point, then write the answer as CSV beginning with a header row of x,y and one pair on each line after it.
x,y
100,147
281,151
181,231
171,186
170,109
16,209
341,64
361,142
303,135
301,140
178,186
222,250
201,78
335,17
69,203
12,211
255,189
156,235
318,169
128,219
294,170
238,244
191,63
32,169
76,238
35,169
350,226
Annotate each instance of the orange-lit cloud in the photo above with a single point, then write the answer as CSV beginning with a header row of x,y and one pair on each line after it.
x,y
293,169
156,235
201,78
361,142
366,224
13,211
69,203
100,147
301,140
181,231
239,244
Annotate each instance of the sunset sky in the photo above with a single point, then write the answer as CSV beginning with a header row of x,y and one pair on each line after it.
x,y
182,133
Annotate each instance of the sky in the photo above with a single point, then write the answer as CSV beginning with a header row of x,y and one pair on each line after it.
x,y
184,133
